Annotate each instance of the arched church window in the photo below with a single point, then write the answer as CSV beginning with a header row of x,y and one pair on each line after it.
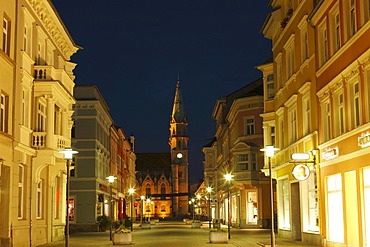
x,y
163,191
148,190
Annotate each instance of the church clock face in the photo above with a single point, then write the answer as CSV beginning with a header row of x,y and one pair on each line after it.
x,y
179,155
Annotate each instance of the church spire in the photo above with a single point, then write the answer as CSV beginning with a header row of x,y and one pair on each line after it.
x,y
178,111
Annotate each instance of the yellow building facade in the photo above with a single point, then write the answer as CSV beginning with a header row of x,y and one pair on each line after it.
x,y
290,117
343,91
36,88
317,103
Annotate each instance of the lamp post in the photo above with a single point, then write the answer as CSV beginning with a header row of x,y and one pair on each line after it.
x,y
193,201
142,209
148,201
270,152
68,153
228,178
111,180
209,190
131,191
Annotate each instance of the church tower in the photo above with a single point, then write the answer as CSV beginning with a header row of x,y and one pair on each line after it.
x,y
178,142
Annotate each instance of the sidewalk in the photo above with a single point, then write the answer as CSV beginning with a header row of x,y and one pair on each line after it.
x,y
176,234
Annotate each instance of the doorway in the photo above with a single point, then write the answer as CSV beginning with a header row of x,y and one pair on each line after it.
x,y
296,212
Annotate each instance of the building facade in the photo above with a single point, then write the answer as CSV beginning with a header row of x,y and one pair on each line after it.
x,y
343,92
36,88
289,117
235,150
104,151
316,104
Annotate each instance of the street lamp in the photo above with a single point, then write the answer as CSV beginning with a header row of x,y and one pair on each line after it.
x,y
209,190
193,201
68,153
228,178
270,152
111,181
148,201
142,209
131,191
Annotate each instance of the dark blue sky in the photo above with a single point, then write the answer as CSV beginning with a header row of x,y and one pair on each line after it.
x,y
134,51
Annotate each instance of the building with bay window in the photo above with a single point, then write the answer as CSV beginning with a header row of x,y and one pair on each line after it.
x,y
36,98
236,150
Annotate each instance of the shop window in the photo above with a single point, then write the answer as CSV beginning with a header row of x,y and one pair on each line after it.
x,y
284,204
334,210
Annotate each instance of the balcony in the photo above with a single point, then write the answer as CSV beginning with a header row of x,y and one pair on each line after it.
x,y
58,143
49,73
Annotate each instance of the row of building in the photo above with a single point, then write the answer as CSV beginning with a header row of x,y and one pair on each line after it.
x,y
43,112
314,99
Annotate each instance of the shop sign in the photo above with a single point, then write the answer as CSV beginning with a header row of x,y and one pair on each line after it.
x,y
330,153
301,172
364,140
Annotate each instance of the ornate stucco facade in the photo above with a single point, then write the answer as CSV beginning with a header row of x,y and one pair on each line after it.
x,y
36,88
317,103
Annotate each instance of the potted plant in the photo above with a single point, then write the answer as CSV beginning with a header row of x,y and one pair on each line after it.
x,y
195,224
218,235
103,222
122,235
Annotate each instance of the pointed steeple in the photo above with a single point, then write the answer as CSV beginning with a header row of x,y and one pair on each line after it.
x,y
178,110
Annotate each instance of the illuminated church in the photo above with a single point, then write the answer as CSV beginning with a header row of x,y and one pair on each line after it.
x,y
162,178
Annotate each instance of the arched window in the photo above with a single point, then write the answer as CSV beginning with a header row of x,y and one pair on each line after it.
x,y
163,191
148,190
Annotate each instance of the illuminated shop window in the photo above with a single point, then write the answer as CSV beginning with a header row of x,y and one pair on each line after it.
x,y
335,224
366,219
284,202
310,204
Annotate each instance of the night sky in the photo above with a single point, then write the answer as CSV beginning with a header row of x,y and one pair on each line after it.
x,y
134,51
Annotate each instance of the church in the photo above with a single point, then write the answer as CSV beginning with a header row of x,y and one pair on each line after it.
x,y
162,178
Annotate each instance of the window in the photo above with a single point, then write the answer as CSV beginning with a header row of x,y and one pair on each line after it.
x,y
57,198
241,162
341,115
304,44
39,199
327,121
3,112
281,133
284,202
270,87
278,71
163,192
356,118
352,18
254,161
21,184
310,204
25,40
6,36
323,44
366,182
334,209
148,190
23,117
292,118
289,56
336,43
306,115
249,126
41,117
272,133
